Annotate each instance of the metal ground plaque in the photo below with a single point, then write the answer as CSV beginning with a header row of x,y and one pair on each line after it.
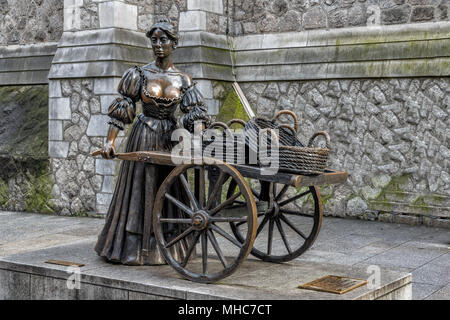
x,y
334,284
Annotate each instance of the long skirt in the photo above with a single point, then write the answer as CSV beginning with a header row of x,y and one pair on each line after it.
x,y
121,239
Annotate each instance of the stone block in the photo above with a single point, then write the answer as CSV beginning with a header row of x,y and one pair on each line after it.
x,y
192,21
47,288
106,85
72,14
115,14
213,106
108,184
104,199
59,109
215,6
58,149
206,89
14,285
55,131
54,88
105,166
98,126
105,102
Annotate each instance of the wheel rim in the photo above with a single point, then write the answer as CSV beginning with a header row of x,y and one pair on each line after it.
x,y
283,223
205,222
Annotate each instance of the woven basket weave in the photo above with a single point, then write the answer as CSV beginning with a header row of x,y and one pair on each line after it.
x,y
287,135
231,142
305,160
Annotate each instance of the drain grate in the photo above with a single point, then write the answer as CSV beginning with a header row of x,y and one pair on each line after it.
x,y
334,284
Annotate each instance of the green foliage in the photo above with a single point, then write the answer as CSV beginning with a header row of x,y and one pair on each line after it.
x,y
395,185
31,138
38,195
232,108
4,193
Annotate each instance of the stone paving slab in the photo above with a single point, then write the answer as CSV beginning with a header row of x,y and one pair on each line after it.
x,y
442,294
254,279
349,244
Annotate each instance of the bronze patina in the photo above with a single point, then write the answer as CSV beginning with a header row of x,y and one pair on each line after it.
x,y
127,236
163,212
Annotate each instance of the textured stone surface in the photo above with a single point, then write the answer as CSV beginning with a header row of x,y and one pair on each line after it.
x,y
74,173
390,135
24,21
263,16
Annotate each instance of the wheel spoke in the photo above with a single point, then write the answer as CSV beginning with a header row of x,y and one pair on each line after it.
x,y
201,198
283,236
282,192
216,247
294,198
191,249
225,203
224,234
255,193
180,236
175,220
295,213
220,181
204,253
289,223
179,204
261,226
189,192
270,239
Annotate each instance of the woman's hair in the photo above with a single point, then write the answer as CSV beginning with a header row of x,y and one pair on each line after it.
x,y
165,25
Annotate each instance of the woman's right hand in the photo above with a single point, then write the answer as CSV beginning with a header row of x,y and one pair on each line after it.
x,y
109,150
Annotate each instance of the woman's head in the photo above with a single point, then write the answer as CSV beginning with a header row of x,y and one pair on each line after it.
x,y
163,37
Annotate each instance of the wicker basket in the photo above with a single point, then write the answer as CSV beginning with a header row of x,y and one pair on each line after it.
x,y
303,160
231,142
287,135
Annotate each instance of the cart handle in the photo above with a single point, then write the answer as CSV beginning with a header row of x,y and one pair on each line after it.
x,y
294,117
320,133
221,125
286,126
272,133
232,121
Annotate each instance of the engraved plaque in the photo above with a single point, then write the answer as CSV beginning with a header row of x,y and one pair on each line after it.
x,y
334,284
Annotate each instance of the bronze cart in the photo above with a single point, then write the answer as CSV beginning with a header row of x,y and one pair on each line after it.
x,y
235,203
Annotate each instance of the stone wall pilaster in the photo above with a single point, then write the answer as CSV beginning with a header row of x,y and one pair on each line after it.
x,y
100,41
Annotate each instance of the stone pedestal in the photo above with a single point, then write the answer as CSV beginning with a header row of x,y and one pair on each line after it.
x,y
100,41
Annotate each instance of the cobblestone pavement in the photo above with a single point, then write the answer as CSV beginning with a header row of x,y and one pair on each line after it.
x,y
423,251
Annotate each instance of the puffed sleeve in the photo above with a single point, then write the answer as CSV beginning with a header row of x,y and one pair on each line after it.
x,y
194,108
123,109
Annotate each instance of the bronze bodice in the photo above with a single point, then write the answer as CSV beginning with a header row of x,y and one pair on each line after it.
x,y
161,93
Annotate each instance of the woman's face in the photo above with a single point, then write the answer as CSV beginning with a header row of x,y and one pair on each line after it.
x,y
162,45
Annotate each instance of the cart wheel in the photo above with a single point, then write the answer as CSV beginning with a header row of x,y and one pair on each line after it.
x,y
205,218
295,213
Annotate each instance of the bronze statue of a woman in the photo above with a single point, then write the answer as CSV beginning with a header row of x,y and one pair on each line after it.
x,y
127,236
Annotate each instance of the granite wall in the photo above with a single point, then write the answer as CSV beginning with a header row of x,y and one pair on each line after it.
x,y
25,22
266,16
391,135
25,181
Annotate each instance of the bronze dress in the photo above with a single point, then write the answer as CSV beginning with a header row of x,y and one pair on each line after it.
x,y
121,239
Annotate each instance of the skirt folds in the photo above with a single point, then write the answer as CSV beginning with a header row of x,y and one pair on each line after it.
x,y
121,239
